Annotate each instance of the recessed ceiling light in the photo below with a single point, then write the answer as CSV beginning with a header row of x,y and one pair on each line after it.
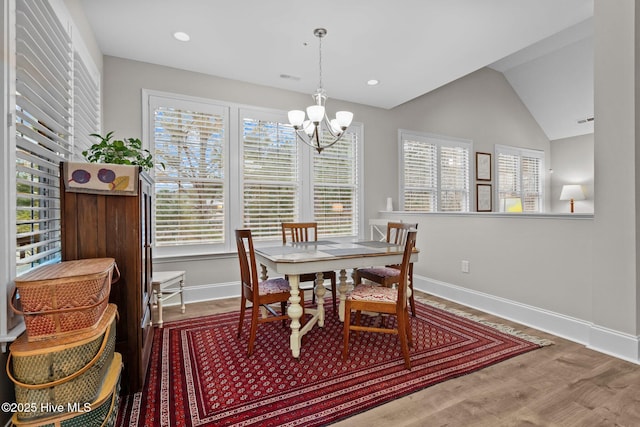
x,y
183,37
372,82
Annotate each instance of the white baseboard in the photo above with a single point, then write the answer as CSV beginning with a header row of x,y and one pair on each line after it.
x,y
614,343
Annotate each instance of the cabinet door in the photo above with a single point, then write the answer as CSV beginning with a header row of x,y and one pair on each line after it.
x,y
146,288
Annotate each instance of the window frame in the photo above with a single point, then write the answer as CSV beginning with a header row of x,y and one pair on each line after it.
x,y
439,141
233,196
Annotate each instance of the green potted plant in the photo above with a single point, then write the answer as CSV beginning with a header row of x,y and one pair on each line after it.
x,y
126,151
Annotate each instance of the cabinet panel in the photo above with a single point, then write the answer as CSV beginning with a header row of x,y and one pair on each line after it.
x,y
118,226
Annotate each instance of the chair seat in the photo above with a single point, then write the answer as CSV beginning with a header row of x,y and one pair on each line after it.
x,y
379,272
373,293
274,286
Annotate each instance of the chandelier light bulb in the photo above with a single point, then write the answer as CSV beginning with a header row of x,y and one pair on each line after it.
x,y
335,126
296,117
308,127
315,113
344,118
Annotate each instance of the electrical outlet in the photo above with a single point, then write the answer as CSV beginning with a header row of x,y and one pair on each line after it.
x,y
464,266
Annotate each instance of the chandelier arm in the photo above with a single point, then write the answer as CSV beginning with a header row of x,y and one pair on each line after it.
x,y
302,136
327,123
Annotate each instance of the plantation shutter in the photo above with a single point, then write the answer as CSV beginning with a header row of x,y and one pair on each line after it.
x,y
420,175
454,179
520,175
43,130
269,176
434,173
189,173
531,185
86,104
508,176
335,187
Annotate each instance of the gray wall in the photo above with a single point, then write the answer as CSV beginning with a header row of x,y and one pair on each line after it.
x,y
572,163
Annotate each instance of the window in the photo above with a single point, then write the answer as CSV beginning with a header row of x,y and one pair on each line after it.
x,y
520,176
335,187
434,173
189,142
228,166
43,130
270,186
53,103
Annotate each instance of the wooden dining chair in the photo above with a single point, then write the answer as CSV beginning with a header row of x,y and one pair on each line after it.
x,y
259,293
384,300
305,232
390,275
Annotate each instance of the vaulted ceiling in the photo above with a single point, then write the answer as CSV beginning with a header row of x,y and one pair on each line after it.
x,y
412,47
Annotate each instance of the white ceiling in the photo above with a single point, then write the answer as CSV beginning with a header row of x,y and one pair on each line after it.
x,y
411,46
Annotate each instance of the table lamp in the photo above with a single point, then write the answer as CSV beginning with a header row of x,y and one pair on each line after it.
x,y
572,192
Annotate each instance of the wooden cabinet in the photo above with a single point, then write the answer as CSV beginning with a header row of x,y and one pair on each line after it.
x,y
118,226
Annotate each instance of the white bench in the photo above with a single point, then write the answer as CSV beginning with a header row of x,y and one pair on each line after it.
x,y
164,287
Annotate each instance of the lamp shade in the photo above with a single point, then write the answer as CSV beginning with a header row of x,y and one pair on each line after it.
x,y
296,117
315,113
572,192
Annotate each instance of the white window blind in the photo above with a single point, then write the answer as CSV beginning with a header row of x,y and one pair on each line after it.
x,y
269,177
189,173
434,173
86,103
335,187
43,130
520,176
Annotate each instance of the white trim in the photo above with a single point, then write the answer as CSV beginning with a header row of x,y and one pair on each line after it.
x,y
614,343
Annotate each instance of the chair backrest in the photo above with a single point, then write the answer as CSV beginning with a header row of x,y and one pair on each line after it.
x,y
409,246
248,271
397,232
299,231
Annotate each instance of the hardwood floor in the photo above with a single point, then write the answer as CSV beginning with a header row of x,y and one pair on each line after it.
x,y
564,384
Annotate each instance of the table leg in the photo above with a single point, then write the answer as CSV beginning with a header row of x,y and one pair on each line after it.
x,y
182,306
159,299
320,291
295,313
343,293
263,272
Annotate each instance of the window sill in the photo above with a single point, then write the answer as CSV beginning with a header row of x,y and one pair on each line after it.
x,y
495,214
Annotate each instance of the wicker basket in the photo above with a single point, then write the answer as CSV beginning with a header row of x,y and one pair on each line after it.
x,y
103,411
63,371
65,298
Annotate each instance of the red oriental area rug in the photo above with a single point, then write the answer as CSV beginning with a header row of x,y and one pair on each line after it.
x,y
199,374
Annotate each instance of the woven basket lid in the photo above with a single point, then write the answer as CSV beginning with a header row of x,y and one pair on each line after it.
x,y
22,347
67,269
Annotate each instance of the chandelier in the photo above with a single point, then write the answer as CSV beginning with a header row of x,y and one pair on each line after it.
x,y
309,131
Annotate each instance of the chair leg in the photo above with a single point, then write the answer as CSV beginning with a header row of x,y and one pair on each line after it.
x,y
408,324
346,330
402,334
283,311
333,294
255,311
243,303
411,300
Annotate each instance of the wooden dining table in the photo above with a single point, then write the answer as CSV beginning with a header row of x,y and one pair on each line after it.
x,y
294,259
